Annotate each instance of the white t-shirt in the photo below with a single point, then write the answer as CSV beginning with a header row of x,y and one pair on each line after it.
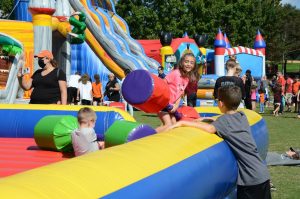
x,y
84,140
85,90
73,81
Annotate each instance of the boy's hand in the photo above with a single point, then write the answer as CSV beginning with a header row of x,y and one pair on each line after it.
x,y
101,144
177,124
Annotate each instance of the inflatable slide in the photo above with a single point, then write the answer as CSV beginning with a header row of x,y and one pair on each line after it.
x,y
115,46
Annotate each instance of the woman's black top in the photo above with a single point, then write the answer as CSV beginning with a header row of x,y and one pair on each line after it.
x,y
112,94
46,88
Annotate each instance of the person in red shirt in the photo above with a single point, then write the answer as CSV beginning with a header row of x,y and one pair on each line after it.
x,y
288,91
191,90
281,81
296,88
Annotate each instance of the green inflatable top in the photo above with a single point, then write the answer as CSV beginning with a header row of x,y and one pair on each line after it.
x,y
9,45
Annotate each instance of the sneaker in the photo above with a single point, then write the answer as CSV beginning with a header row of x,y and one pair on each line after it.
x,y
272,187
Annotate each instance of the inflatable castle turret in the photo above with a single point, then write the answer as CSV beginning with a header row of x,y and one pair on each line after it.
x,y
42,12
259,43
61,28
226,41
249,58
220,46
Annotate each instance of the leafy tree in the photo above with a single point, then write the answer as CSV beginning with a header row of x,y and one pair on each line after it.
x,y
6,7
240,19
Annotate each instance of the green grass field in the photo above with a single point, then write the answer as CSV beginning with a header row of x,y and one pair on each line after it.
x,y
291,67
284,132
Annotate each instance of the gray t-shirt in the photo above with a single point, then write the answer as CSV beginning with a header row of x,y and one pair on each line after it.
x,y
235,130
84,140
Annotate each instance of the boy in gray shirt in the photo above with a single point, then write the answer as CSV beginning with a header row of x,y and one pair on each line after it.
x,y
253,176
84,139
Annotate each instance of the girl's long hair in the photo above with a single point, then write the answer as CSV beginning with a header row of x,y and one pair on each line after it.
x,y
193,75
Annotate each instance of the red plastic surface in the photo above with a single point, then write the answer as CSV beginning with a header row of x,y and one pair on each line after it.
x,y
21,154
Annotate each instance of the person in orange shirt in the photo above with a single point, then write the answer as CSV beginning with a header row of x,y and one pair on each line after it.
x,y
296,87
97,91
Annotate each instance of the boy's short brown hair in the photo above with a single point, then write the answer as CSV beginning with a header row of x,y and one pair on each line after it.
x,y
231,96
86,114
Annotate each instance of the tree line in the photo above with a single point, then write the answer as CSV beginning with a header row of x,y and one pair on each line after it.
x,y
239,19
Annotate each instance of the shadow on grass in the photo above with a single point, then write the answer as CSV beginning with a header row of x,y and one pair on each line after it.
x,y
146,115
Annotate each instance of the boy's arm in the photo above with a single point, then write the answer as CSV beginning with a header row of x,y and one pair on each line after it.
x,y
206,127
205,119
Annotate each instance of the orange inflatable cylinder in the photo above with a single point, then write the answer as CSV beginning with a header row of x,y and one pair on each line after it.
x,y
145,91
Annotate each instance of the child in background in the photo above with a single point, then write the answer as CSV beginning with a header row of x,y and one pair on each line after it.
x,y
97,90
277,90
85,90
177,81
253,176
84,139
253,96
261,93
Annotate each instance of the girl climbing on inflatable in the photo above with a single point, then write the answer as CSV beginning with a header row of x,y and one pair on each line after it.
x,y
177,81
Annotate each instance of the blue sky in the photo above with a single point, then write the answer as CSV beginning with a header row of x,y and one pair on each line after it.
x,y
292,2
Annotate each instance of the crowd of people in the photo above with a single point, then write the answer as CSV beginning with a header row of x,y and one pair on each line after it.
x,y
51,86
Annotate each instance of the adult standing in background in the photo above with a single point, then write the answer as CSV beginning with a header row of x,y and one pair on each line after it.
x,y
48,83
229,79
296,88
73,87
281,81
248,84
112,89
288,92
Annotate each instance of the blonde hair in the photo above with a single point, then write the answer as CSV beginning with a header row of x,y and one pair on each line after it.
x,y
86,114
230,64
238,68
85,78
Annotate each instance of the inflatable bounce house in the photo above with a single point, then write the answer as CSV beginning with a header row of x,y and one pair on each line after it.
x,y
248,58
211,62
105,46
35,143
